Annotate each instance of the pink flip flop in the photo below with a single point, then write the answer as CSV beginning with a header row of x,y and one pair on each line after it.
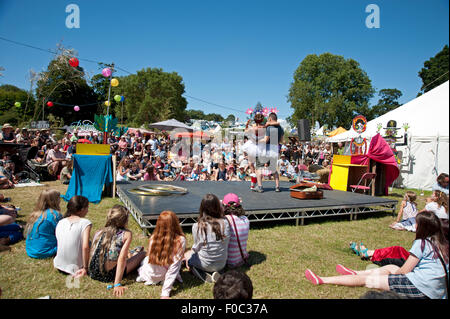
x,y
344,270
313,278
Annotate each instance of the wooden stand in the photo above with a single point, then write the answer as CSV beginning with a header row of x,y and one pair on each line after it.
x,y
344,174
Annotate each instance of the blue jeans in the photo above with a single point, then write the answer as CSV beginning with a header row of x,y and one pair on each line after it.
x,y
11,231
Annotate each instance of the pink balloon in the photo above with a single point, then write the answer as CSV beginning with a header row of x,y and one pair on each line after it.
x,y
76,108
106,72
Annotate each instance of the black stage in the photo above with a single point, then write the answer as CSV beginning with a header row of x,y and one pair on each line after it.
x,y
266,206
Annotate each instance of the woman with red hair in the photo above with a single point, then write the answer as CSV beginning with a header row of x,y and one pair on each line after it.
x,y
165,254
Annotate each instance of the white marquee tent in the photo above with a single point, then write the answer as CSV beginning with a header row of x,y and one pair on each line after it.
x,y
426,154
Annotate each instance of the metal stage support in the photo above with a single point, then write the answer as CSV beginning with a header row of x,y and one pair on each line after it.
x,y
298,214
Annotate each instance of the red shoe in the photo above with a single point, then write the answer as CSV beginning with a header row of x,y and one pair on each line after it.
x,y
315,280
344,270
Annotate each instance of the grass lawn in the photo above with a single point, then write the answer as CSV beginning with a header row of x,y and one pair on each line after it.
x,y
280,252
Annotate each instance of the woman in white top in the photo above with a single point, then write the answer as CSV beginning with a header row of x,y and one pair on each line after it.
x,y
438,204
165,254
72,235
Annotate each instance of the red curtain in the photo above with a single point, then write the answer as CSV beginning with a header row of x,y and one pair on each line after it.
x,y
381,152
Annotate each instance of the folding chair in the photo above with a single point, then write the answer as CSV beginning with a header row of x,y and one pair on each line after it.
x,y
366,178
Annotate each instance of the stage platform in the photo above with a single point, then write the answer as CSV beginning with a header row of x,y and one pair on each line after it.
x,y
267,206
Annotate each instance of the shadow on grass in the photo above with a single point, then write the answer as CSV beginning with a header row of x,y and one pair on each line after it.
x,y
191,281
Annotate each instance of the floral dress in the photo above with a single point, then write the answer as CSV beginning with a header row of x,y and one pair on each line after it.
x,y
96,270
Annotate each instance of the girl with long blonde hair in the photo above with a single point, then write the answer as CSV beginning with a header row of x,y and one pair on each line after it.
x,y
165,254
110,258
40,229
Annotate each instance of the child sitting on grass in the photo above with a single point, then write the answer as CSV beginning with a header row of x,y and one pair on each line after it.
x,y
72,235
211,234
165,254
40,230
110,258
406,218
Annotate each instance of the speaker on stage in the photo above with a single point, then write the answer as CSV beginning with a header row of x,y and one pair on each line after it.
x,y
304,131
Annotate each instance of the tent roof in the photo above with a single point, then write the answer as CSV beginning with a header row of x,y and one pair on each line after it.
x,y
170,125
337,131
426,115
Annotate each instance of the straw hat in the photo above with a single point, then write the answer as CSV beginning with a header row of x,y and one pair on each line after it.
x,y
7,125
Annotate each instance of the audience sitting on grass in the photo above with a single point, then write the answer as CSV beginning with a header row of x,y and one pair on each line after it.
x,y
66,172
110,258
40,229
166,250
438,204
441,183
233,284
422,276
10,231
211,234
7,176
406,218
240,227
72,235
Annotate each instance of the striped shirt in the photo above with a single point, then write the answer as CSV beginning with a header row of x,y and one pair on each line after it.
x,y
234,253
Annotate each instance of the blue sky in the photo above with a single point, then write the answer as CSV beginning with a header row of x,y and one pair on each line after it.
x,y
231,53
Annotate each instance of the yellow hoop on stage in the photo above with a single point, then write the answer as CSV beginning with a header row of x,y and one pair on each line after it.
x,y
158,190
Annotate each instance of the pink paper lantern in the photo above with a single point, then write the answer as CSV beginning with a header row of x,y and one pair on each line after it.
x,y
106,72
76,108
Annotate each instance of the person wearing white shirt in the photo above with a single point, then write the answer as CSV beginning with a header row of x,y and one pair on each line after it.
x,y
72,235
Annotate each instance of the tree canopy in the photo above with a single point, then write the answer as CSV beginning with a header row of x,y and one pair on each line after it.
x,y
9,113
435,71
151,95
388,101
65,86
329,89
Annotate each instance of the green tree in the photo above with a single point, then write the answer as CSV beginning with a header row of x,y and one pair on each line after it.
x,y
9,113
214,117
435,71
151,95
194,115
230,118
66,87
388,101
329,89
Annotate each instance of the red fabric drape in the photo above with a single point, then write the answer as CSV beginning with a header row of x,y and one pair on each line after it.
x,y
396,252
381,152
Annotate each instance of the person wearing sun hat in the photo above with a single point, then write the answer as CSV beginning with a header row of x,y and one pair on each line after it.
x,y
7,134
240,228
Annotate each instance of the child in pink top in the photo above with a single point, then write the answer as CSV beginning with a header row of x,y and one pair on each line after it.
x,y
240,226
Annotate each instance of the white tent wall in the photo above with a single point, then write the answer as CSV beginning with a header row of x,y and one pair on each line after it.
x,y
427,153
420,166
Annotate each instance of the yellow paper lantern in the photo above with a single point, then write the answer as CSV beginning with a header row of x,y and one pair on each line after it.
x,y
114,82
107,103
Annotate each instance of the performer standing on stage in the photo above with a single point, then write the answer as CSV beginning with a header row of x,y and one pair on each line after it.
x,y
252,147
274,135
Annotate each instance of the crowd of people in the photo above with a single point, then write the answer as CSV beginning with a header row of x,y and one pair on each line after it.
x,y
155,156
222,230
219,244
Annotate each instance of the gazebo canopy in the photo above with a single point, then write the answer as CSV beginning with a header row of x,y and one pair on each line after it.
x,y
169,125
337,131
